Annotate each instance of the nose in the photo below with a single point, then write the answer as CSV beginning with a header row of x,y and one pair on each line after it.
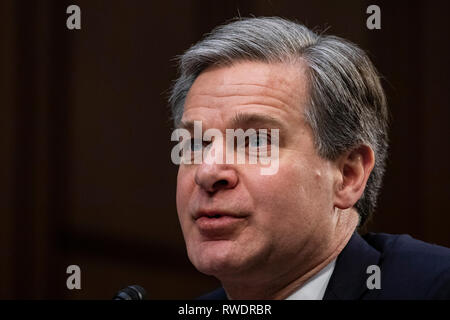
x,y
214,177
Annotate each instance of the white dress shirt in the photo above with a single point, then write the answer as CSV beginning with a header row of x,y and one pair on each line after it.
x,y
314,288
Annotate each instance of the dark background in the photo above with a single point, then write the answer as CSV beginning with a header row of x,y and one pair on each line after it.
x,y
86,176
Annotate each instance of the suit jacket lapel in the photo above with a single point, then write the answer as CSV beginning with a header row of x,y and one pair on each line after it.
x,y
348,281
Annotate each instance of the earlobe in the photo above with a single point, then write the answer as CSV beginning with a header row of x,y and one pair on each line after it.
x,y
354,170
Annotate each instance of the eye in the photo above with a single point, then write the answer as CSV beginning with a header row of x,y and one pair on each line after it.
x,y
195,144
258,140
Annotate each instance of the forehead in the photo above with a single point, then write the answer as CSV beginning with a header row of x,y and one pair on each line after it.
x,y
220,92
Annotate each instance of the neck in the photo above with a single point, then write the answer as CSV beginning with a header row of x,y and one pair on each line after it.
x,y
273,286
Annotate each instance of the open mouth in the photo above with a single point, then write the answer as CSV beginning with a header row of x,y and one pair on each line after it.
x,y
216,214
215,217
217,225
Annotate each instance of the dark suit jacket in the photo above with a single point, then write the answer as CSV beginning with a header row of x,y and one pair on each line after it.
x,y
409,269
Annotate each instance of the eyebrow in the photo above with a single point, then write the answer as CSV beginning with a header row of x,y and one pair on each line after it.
x,y
244,121
255,121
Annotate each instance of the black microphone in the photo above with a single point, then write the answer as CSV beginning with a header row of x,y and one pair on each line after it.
x,y
133,292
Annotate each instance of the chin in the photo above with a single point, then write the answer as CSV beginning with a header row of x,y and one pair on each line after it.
x,y
215,258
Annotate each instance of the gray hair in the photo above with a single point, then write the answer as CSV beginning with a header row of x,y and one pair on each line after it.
x,y
347,104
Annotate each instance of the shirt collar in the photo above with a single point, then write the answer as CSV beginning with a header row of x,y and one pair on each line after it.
x,y
314,288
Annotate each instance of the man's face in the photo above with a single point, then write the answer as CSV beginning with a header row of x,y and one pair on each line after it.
x,y
235,221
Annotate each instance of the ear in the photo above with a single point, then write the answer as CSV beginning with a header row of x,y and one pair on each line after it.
x,y
354,169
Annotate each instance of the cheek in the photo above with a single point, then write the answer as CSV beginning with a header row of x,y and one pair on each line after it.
x,y
294,198
183,193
